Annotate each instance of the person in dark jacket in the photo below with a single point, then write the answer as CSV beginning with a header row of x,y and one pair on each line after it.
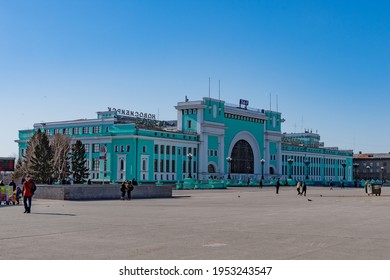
x,y
277,186
304,187
123,190
130,188
12,183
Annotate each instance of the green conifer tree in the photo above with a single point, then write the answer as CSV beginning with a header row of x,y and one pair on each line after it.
x,y
42,159
79,169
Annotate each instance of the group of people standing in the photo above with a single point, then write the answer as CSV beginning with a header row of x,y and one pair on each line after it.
x,y
127,187
301,188
25,189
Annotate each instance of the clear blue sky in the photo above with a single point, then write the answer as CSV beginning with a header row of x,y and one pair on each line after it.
x,y
326,61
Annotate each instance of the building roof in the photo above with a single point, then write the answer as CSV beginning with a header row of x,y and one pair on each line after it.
x,y
372,156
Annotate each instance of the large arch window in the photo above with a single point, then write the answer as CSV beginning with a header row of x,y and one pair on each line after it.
x,y
242,158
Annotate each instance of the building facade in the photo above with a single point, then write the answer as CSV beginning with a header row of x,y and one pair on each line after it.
x,y
209,138
371,166
305,157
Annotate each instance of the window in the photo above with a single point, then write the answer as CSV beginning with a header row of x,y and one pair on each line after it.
x,y
95,164
184,151
144,149
161,165
167,165
85,130
122,148
128,148
96,148
116,149
65,131
156,149
122,165
173,166
168,150
86,147
173,150
106,129
194,152
189,124
75,130
184,166
144,165
96,129
155,165
162,149
56,131
47,131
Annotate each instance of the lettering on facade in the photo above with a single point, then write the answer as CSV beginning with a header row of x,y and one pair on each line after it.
x,y
133,113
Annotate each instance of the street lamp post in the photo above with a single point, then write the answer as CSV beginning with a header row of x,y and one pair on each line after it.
x,y
344,165
368,171
229,161
307,163
382,169
189,155
290,162
262,161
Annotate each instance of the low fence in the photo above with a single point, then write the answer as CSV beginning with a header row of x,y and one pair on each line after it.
x,y
99,192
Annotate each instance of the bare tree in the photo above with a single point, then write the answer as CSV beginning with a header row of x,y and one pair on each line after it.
x,y
23,164
60,145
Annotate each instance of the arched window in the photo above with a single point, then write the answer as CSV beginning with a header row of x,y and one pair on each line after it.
x,y
242,158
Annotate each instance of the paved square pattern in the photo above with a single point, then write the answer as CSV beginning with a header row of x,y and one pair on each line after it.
x,y
236,223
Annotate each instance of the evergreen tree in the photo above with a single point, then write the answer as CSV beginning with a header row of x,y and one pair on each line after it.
x,y
79,169
42,159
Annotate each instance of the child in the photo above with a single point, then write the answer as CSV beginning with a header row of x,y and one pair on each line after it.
x,y
18,194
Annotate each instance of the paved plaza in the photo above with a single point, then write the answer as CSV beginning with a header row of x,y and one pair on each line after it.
x,y
236,223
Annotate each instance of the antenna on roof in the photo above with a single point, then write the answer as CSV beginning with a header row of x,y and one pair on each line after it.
x,y
219,97
209,87
277,104
219,89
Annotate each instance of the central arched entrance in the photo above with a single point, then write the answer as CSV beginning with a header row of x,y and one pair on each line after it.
x,y
242,158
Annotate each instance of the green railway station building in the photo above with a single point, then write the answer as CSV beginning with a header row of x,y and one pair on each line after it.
x,y
209,139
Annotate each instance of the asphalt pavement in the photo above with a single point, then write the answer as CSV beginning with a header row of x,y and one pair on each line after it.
x,y
236,223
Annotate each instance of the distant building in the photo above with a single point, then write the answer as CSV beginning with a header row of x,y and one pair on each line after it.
x,y
209,138
305,157
371,166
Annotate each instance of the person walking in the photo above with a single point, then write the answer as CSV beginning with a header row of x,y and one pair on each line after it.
x,y
304,189
123,190
277,186
130,188
299,187
261,184
331,185
28,191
